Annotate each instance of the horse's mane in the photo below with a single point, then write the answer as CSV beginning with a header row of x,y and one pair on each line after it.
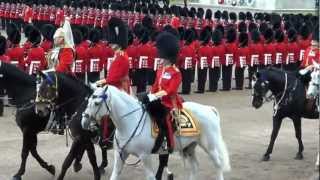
x,y
291,74
16,76
130,100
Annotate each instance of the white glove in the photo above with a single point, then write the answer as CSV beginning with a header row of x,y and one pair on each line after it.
x,y
152,97
305,70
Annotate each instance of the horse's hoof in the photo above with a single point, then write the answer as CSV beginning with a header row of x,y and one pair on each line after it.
x,y
266,158
102,170
16,178
170,176
52,170
77,167
299,156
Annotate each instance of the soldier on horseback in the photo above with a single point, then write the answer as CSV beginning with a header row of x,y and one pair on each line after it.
x,y
165,88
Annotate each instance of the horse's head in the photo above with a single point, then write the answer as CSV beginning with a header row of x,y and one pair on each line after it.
x,y
97,108
314,84
47,92
260,86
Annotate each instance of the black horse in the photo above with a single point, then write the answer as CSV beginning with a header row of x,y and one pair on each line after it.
x,y
68,94
21,89
289,101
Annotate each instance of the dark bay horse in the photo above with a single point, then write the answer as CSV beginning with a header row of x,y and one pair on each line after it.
x,y
70,95
21,89
289,101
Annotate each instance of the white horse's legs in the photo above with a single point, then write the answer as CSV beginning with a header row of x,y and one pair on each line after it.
x,y
118,165
147,163
193,163
214,155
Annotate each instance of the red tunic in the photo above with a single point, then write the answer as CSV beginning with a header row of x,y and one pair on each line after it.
x,y
66,57
281,53
16,55
145,56
59,17
27,17
204,54
256,54
269,54
218,53
312,54
187,57
132,56
303,46
4,58
81,62
168,79
46,45
293,53
231,49
35,60
242,57
96,58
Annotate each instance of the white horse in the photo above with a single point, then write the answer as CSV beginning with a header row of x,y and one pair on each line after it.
x,y
133,132
314,90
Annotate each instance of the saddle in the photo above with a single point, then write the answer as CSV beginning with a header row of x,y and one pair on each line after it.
x,y
186,125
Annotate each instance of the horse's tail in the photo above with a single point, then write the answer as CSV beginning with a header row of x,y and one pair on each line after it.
x,y
223,153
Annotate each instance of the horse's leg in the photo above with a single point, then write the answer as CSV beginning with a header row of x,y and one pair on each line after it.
x,y
147,163
276,127
163,162
104,162
317,162
70,157
24,156
77,166
118,164
33,149
193,162
297,127
93,160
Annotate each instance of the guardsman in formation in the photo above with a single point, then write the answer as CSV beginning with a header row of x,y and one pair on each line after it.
x,y
81,61
241,59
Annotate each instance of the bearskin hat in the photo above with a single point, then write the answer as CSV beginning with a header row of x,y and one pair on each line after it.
x,y
84,31
276,21
130,38
77,36
258,16
138,30
94,35
181,31
48,31
243,39
13,33
267,17
292,35
268,34
191,13
231,35
249,16
27,29
304,31
255,36
208,14
168,46
3,45
205,35
200,13
242,27
225,15
147,22
242,16
189,36
171,30
279,36
184,12
217,15
145,37
233,16
193,10
217,37
34,36
263,27
118,32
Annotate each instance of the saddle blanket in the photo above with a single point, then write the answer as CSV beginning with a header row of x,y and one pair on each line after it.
x,y
188,126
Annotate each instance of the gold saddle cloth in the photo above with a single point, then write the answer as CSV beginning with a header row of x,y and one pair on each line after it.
x,y
187,125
